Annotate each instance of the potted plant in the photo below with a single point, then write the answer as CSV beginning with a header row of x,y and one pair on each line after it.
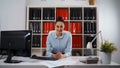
x,y
107,48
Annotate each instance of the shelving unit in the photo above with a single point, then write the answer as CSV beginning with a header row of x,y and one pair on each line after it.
x,y
80,21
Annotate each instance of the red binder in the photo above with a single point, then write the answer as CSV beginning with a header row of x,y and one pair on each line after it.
x,y
73,42
51,26
71,27
80,42
63,12
74,28
79,28
44,28
44,38
66,26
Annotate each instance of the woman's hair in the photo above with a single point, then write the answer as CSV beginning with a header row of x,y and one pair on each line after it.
x,y
59,19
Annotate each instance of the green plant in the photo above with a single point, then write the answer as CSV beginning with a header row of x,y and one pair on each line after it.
x,y
108,47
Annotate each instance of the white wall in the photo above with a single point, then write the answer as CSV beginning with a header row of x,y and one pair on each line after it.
x,y
109,22
12,14
57,3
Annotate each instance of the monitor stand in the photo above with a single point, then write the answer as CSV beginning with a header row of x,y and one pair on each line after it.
x,y
9,58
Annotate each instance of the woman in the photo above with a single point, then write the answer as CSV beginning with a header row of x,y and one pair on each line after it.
x,y
59,42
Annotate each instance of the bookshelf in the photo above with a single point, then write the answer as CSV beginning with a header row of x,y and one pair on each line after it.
x,y
80,21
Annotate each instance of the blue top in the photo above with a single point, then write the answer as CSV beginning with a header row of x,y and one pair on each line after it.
x,y
62,44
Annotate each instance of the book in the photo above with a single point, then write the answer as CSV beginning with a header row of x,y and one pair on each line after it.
x,y
66,26
79,27
44,38
44,28
63,12
51,26
36,40
47,27
71,27
74,27
73,42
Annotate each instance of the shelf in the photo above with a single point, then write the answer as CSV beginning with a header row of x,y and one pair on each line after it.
x,y
80,21
76,20
34,20
89,20
36,48
37,34
77,48
48,20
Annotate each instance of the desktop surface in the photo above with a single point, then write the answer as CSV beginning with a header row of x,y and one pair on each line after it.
x,y
73,61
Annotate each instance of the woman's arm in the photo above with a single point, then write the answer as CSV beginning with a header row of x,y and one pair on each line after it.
x,y
49,47
69,46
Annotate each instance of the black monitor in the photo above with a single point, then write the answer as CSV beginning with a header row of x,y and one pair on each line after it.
x,y
16,43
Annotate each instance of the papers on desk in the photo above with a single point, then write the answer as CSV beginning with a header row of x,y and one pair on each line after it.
x,y
61,62
48,63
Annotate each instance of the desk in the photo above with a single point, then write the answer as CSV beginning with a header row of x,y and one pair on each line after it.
x,y
70,62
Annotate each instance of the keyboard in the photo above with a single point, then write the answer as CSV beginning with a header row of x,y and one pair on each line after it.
x,y
43,58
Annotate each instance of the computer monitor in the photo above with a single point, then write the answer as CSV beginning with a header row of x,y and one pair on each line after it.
x,y
17,43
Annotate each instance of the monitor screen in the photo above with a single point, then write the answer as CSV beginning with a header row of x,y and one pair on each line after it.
x,y
16,43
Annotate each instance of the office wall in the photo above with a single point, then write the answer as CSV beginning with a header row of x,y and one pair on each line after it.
x,y
12,14
109,22
57,3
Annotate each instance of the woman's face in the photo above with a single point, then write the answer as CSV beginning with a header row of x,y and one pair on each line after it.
x,y
59,27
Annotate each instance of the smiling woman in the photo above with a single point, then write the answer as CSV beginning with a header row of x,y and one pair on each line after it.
x,y
59,42
59,26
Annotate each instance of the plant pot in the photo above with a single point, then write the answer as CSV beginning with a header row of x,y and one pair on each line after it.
x,y
105,57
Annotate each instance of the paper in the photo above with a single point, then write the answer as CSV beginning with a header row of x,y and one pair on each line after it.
x,y
61,62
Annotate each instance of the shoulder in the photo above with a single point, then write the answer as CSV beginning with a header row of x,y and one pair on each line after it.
x,y
51,32
67,33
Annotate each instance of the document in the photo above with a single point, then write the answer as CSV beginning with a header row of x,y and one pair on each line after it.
x,y
61,62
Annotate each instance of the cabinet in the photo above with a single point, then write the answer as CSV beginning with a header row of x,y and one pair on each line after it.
x,y
80,21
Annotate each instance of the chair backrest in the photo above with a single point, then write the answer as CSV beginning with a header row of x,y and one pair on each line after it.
x,y
44,53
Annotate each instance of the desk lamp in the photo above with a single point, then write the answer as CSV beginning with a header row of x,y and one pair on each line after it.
x,y
89,44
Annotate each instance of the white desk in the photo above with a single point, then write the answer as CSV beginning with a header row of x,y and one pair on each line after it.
x,y
70,62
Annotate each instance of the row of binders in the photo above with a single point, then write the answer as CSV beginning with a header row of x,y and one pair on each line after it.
x,y
35,14
89,27
48,13
44,38
75,13
48,26
63,12
76,41
35,27
90,14
36,41
76,27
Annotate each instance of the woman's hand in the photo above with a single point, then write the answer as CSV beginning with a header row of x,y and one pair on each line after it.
x,y
59,55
